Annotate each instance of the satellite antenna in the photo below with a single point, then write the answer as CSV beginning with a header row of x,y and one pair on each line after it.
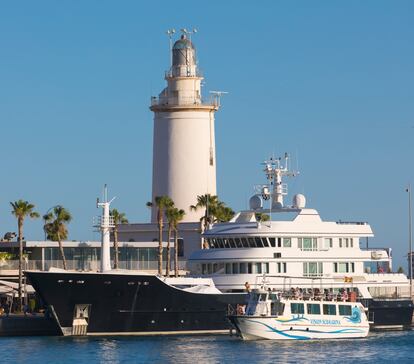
x,y
217,95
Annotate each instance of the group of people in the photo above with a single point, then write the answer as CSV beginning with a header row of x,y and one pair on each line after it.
x,y
315,293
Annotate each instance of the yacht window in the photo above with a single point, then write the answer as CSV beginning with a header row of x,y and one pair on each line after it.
x,y
297,308
243,268
314,308
328,243
265,243
245,243
345,310
340,242
238,242
352,267
351,242
312,269
249,268
329,309
308,243
252,244
220,243
208,268
228,268
204,268
281,267
212,243
287,242
258,242
232,243
279,242
277,255
272,242
266,268
346,242
259,268
226,243
235,268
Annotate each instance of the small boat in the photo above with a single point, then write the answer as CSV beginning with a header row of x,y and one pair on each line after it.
x,y
279,316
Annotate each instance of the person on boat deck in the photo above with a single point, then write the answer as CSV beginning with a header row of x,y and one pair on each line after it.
x,y
247,287
344,295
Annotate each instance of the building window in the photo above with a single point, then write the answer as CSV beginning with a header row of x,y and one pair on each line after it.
x,y
312,269
287,242
308,243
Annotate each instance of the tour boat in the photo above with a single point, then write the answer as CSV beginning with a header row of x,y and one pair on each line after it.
x,y
280,316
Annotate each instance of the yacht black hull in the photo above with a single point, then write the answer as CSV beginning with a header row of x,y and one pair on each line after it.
x,y
130,304
389,313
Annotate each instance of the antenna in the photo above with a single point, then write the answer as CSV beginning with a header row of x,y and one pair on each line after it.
x,y
189,32
217,96
170,33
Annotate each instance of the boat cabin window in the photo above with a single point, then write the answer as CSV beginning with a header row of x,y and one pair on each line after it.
x,y
232,243
252,244
308,243
343,267
265,243
220,243
345,310
244,243
243,268
259,242
312,269
328,243
277,308
238,243
235,268
329,309
297,308
287,242
272,242
313,308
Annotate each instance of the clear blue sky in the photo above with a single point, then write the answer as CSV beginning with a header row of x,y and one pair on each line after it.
x,y
331,82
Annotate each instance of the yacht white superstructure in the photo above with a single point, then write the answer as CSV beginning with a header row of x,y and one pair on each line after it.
x,y
295,248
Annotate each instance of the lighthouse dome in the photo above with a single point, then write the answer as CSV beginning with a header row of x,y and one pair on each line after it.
x,y
183,52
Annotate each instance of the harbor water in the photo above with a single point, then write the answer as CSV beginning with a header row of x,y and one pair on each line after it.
x,y
377,347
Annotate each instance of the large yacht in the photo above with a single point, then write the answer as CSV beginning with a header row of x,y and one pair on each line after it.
x,y
293,247
126,302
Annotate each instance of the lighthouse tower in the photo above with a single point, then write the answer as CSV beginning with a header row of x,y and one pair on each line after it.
x,y
184,163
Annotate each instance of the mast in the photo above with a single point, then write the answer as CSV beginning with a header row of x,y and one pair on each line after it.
x,y
275,171
105,223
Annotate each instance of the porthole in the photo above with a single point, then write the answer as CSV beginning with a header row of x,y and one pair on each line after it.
x,y
131,283
61,281
107,282
80,282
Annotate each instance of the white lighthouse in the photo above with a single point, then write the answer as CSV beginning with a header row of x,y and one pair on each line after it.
x,y
184,162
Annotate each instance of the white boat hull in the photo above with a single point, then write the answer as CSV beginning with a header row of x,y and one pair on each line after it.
x,y
298,328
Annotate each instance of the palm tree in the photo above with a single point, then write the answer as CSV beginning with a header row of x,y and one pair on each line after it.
x,y
261,217
119,218
21,209
162,203
169,214
178,216
56,229
209,203
215,210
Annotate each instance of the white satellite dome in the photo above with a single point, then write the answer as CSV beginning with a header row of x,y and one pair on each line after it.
x,y
299,201
256,202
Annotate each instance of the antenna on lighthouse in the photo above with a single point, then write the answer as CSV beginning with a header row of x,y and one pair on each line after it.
x,y
170,33
217,96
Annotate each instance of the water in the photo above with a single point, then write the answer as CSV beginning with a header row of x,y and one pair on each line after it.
x,y
377,347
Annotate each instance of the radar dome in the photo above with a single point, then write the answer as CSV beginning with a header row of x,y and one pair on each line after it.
x,y
299,201
256,202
